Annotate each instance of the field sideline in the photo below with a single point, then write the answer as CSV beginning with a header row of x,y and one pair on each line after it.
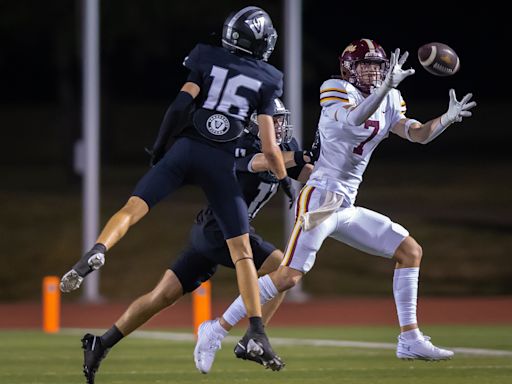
x,y
348,354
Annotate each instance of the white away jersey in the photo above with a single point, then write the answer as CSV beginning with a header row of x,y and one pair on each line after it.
x,y
346,150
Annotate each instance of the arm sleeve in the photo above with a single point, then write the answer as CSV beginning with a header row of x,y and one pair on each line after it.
x,y
195,77
173,119
294,172
242,163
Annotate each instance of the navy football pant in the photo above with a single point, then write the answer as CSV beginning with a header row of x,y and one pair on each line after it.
x,y
193,162
205,251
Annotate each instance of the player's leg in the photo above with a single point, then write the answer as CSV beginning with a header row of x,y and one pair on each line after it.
x,y
157,183
299,258
166,292
271,264
184,276
376,234
266,258
412,344
219,182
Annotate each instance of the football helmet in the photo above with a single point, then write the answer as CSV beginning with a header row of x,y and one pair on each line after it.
x,y
250,31
364,64
282,126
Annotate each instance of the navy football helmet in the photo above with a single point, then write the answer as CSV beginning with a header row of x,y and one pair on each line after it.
x,y
282,126
250,31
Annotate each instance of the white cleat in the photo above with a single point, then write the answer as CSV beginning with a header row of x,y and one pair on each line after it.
x,y
421,349
208,343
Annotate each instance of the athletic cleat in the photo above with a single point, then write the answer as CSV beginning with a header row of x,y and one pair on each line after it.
x,y
94,352
70,281
74,277
208,343
421,349
260,351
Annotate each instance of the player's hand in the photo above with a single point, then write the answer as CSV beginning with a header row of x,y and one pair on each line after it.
x,y
457,109
396,74
312,154
155,155
286,185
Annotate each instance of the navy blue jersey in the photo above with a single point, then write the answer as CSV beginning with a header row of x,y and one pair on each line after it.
x,y
232,88
257,188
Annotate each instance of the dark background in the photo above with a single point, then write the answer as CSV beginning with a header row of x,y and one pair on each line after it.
x,y
143,44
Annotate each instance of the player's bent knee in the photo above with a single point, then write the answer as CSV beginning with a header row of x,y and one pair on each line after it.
x,y
135,208
286,278
168,290
409,252
272,263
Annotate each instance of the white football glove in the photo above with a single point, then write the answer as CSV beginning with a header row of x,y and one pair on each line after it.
x,y
396,74
457,109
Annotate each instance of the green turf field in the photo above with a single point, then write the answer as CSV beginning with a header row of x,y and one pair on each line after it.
x,y
31,357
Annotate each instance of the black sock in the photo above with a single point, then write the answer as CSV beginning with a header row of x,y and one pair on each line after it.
x,y
256,324
111,337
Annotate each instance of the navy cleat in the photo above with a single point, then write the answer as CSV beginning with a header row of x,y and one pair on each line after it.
x,y
256,347
94,352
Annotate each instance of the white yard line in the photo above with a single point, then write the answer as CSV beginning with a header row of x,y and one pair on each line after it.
x,y
174,336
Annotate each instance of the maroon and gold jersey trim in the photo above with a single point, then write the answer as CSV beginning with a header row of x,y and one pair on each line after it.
x,y
302,208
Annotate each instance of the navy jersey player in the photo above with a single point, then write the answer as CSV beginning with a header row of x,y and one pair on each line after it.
x,y
225,86
207,248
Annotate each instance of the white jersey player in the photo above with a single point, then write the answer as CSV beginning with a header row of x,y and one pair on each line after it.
x,y
359,110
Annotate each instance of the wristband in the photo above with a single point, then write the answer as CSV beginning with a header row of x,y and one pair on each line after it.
x,y
408,124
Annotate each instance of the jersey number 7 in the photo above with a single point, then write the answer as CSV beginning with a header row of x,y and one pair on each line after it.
x,y
369,123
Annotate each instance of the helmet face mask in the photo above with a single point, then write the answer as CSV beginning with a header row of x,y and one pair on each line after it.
x,y
364,64
282,126
250,31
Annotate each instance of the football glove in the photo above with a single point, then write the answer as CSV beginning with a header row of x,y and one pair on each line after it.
x,y
457,109
287,187
396,74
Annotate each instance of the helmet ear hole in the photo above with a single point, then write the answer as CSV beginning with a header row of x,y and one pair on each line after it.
x,y
345,73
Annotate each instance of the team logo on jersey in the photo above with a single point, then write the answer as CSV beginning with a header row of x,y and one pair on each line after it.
x,y
217,124
256,26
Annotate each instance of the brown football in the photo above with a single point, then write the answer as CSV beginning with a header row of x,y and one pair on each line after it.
x,y
438,59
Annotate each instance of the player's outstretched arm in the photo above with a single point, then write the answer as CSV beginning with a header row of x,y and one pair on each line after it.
x,y
291,159
172,119
269,147
360,113
414,131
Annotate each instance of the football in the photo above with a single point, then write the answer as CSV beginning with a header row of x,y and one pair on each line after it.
x,y
438,59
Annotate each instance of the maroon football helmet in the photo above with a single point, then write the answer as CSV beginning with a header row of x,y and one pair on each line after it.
x,y
364,64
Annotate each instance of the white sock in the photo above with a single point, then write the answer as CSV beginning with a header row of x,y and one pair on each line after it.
x,y
218,329
405,290
237,311
412,334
